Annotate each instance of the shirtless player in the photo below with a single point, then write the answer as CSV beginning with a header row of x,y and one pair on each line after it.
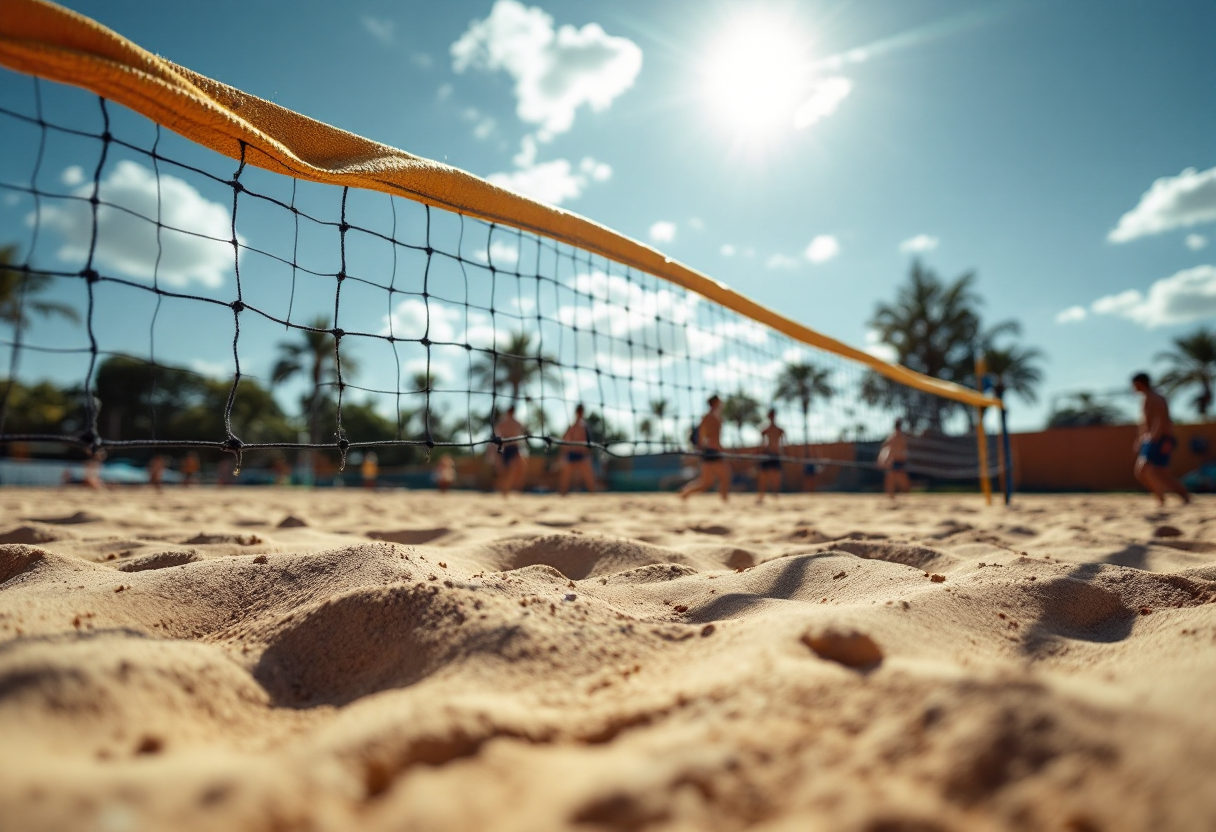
x,y
713,466
769,477
512,462
578,460
893,458
1155,443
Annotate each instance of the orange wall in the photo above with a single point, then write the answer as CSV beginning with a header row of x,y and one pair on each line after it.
x,y
1094,458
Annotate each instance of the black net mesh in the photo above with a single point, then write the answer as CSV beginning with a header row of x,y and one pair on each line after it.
x,y
158,295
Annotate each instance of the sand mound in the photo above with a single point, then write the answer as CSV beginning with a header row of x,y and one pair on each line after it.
x,y
409,537
32,533
873,670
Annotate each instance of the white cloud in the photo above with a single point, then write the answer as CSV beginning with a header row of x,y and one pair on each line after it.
x,y
1188,295
822,249
126,227
727,250
663,231
552,182
1171,202
782,261
382,29
444,92
595,171
919,244
1195,242
72,176
502,252
409,320
484,128
876,347
1071,315
555,71
824,99
696,223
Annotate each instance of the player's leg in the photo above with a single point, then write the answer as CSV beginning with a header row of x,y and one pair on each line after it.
x,y
563,477
1147,475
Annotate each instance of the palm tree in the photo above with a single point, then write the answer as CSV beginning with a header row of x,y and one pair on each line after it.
x,y
741,409
1193,364
18,288
313,355
516,366
646,428
658,409
18,297
935,328
801,382
1015,370
1084,410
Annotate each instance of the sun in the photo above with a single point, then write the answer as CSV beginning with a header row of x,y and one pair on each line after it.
x,y
756,74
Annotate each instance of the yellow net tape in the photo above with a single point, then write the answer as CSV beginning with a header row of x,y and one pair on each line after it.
x,y
44,39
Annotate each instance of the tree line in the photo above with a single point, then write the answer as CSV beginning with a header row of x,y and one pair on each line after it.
x,y
933,326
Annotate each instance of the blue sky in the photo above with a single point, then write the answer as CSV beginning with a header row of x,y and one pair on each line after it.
x,y
1019,139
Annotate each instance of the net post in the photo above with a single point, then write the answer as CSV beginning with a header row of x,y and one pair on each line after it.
x,y
1006,450
981,438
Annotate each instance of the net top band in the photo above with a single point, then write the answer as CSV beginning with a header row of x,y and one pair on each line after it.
x,y
46,40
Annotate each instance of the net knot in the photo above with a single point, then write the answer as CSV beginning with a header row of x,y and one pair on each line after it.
x,y
341,276
344,444
233,444
90,275
337,333
426,342
238,306
236,185
91,441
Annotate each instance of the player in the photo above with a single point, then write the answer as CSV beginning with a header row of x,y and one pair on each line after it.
x,y
1155,443
893,458
512,460
445,475
769,477
707,438
576,460
370,469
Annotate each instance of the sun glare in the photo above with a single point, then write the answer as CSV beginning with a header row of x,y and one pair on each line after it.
x,y
756,75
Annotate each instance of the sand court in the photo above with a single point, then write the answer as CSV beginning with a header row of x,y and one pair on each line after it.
x,y
280,659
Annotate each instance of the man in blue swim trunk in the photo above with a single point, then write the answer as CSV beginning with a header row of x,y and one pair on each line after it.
x,y
1155,443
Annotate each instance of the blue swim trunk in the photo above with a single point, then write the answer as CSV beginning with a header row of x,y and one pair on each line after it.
x,y
510,453
771,463
899,466
1156,452
575,456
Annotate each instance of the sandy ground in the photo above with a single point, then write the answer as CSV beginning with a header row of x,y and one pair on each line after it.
x,y
197,660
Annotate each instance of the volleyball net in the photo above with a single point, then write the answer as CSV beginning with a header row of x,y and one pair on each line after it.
x,y
186,266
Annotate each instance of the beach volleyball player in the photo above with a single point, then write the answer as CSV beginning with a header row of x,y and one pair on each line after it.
x,y
769,478
1155,443
577,460
893,459
707,438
